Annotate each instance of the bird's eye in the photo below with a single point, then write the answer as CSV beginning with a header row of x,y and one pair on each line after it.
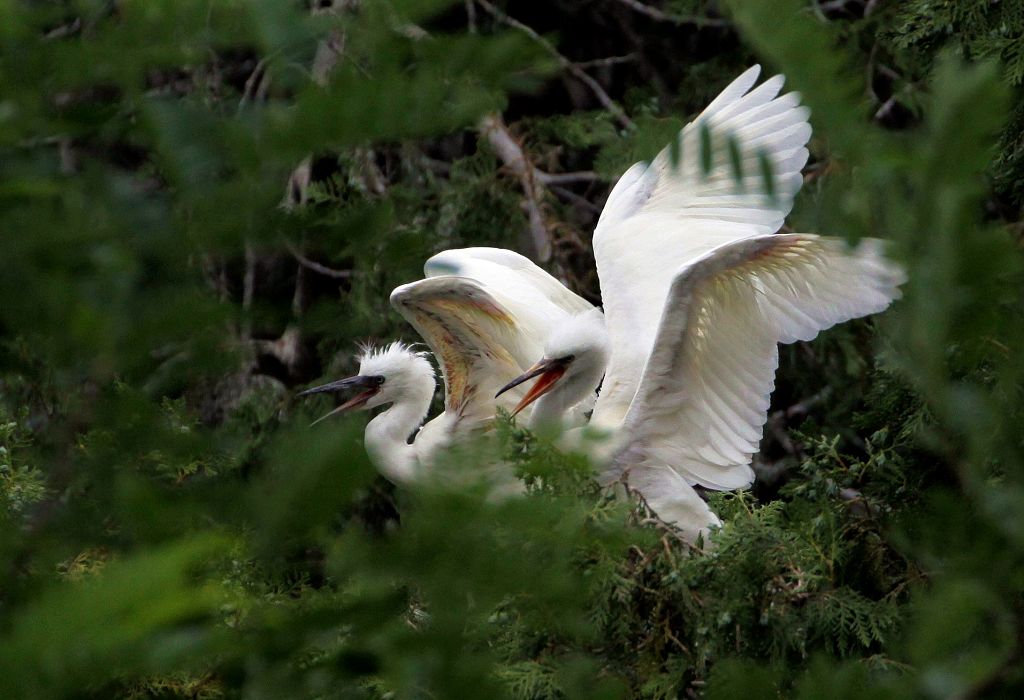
x,y
378,380
566,360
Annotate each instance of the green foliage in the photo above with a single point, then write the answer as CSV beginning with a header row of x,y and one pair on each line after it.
x,y
21,485
979,29
169,525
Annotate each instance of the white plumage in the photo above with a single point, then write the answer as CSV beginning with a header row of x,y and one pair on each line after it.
x,y
698,292
659,217
485,314
703,396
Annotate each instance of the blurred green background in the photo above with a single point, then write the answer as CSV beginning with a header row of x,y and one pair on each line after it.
x,y
204,205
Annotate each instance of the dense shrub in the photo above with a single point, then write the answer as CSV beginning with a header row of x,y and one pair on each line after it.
x,y
205,205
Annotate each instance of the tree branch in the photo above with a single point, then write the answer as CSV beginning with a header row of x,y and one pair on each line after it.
x,y
609,61
255,84
595,87
662,16
248,290
576,199
512,155
565,178
314,265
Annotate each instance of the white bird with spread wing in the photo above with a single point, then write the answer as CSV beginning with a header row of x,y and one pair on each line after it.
x,y
698,292
485,314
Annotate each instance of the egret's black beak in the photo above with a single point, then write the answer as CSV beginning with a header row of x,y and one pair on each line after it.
x,y
370,384
549,371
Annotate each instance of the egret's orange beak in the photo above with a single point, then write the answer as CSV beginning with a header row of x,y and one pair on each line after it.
x,y
370,384
549,371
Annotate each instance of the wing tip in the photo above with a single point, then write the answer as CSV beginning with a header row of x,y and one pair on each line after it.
x,y
400,294
776,83
403,295
743,83
443,263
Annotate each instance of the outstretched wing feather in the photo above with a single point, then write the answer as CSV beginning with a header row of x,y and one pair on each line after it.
x,y
663,215
469,332
704,394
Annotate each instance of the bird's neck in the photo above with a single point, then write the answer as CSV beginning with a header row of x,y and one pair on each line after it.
x,y
549,409
387,435
552,409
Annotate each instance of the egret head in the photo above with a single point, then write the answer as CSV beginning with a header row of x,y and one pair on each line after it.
x,y
386,375
575,358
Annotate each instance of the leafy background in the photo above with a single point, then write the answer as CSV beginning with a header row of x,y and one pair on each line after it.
x,y
204,206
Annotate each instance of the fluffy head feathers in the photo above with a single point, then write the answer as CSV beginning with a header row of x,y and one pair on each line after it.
x,y
406,372
583,334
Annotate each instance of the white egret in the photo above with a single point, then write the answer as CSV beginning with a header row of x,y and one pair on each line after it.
x,y
484,313
698,292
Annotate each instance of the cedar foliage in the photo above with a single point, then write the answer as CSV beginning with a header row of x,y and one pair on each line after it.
x,y
171,528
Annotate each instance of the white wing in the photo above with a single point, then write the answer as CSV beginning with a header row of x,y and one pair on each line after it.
x,y
479,343
485,313
659,217
703,398
509,272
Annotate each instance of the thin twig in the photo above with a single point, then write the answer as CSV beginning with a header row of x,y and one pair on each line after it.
x,y
832,5
297,191
289,348
869,73
662,16
299,295
595,87
248,290
65,30
253,83
565,178
328,52
886,107
609,61
314,265
512,155
575,199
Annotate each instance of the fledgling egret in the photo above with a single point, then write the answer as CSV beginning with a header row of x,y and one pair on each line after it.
x,y
698,292
484,313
